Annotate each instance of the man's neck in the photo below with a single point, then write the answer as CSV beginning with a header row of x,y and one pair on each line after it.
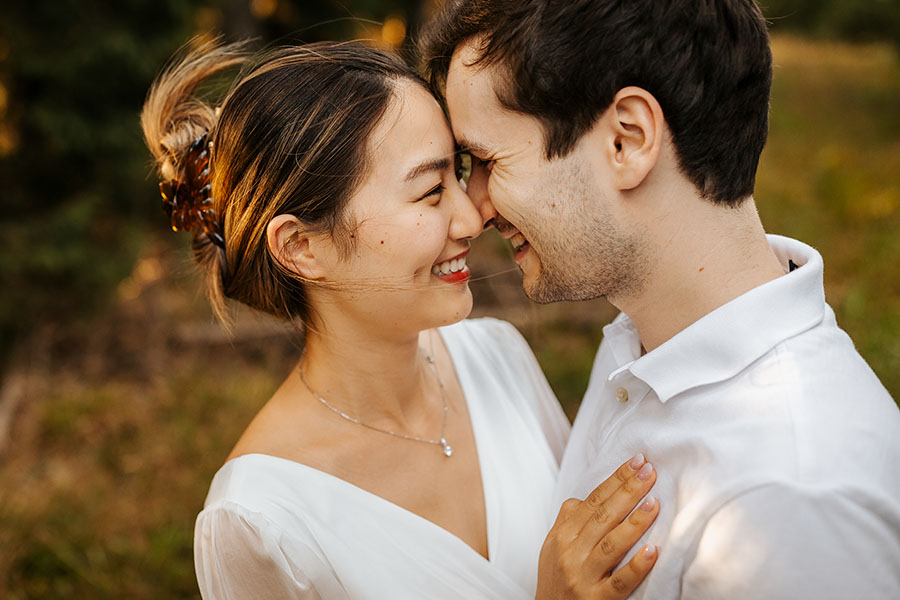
x,y
705,257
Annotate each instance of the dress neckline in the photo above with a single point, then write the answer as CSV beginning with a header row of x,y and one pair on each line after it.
x,y
489,516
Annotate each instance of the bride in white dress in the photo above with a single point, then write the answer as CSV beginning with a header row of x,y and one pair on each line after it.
x,y
411,453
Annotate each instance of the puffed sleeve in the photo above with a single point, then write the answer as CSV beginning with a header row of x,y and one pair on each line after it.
x,y
546,407
239,554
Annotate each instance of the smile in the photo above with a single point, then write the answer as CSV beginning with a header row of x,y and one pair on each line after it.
x,y
508,232
452,270
517,241
449,266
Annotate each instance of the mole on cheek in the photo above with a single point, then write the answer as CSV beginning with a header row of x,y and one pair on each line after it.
x,y
382,241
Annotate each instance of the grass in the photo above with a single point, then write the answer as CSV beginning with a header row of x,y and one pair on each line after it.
x,y
126,420
106,505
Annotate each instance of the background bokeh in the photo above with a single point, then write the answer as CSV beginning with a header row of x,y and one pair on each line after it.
x,y
119,396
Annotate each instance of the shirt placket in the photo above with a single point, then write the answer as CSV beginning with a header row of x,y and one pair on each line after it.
x,y
622,395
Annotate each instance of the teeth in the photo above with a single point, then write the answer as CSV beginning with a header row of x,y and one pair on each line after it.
x,y
518,241
449,266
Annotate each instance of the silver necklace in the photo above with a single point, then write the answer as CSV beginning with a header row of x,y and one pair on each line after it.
x,y
442,442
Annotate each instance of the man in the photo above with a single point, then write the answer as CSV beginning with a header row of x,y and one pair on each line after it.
x,y
616,144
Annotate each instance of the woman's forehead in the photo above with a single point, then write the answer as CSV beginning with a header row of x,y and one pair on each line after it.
x,y
412,131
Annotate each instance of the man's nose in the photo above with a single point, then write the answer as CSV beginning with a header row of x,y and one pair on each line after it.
x,y
478,192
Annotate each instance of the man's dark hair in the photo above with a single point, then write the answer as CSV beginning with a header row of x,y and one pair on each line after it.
x,y
707,62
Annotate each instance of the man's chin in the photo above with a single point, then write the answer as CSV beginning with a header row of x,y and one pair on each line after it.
x,y
541,290
544,288
533,279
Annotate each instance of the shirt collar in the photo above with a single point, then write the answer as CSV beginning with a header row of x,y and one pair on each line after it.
x,y
726,341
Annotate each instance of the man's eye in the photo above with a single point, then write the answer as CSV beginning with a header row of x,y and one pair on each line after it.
x,y
482,164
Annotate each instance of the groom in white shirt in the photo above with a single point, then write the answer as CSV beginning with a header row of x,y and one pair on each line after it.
x,y
615,144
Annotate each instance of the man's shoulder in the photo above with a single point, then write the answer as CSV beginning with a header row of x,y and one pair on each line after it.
x,y
784,539
821,363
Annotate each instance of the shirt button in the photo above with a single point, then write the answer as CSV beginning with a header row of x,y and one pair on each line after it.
x,y
622,395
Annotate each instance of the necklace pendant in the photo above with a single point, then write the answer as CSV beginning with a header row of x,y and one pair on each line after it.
x,y
448,449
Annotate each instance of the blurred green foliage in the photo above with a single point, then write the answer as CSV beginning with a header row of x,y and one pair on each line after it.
x,y
851,20
78,195
72,166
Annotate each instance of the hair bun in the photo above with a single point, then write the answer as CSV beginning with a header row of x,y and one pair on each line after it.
x,y
188,203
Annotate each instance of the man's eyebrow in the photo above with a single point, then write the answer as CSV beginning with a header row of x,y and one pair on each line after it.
x,y
428,166
475,148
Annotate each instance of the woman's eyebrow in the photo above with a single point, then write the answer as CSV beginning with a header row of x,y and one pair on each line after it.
x,y
428,166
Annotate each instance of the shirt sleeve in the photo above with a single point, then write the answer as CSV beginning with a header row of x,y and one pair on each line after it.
x,y
780,541
239,554
547,409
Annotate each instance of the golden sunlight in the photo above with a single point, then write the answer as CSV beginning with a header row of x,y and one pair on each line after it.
x,y
393,32
263,9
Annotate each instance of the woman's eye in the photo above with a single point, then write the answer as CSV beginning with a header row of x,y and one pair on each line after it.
x,y
434,193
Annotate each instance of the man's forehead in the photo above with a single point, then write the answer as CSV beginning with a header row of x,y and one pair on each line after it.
x,y
468,52
467,77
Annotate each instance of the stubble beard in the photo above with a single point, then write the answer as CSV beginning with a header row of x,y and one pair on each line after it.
x,y
583,253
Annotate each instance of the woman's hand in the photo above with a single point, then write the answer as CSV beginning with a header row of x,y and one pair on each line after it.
x,y
591,537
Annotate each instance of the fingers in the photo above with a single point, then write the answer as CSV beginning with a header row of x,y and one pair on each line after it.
x,y
600,517
597,498
610,550
624,581
567,509
590,538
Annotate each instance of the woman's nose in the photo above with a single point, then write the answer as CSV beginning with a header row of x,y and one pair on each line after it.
x,y
466,221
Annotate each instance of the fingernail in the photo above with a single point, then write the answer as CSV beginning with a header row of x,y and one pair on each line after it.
x,y
649,551
645,472
636,461
648,504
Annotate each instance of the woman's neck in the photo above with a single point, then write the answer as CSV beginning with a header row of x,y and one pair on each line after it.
x,y
382,381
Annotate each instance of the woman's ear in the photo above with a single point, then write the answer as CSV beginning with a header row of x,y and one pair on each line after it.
x,y
289,243
636,123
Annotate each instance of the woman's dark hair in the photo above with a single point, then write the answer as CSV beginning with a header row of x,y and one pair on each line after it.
x,y
707,62
290,137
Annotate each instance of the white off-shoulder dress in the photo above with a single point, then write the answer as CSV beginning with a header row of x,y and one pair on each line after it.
x,y
274,528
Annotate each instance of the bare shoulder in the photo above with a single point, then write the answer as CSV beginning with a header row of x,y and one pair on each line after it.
x,y
288,426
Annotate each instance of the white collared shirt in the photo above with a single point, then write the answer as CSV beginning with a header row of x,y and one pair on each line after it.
x,y
776,446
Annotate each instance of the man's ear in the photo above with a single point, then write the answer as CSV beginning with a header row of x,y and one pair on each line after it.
x,y
635,125
289,243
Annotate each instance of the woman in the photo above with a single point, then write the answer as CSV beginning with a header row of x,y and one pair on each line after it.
x,y
410,454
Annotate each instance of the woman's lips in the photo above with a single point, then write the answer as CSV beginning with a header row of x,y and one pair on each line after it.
x,y
456,277
453,270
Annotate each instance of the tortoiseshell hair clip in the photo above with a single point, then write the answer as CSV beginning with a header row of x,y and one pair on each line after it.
x,y
188,203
